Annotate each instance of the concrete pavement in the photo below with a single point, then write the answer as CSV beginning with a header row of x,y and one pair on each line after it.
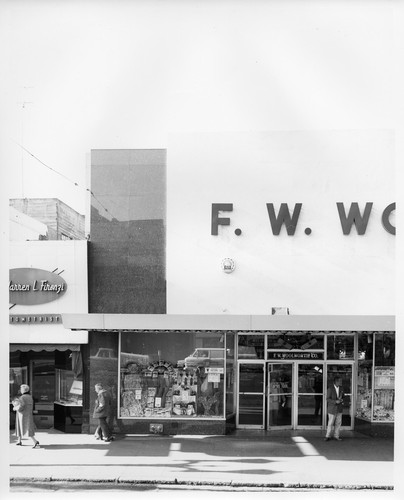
x,y
280,459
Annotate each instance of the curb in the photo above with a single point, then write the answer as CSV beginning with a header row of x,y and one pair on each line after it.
x,y
175,483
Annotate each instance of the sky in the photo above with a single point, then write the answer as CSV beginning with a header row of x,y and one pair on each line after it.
x,y
88,75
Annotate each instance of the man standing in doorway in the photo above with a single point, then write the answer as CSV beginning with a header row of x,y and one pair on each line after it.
x,y
101,411
335,397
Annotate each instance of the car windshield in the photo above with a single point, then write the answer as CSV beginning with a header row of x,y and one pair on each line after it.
x,y
201,354
207,353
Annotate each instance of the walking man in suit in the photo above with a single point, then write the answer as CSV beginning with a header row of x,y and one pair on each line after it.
x,y
102,412
335,397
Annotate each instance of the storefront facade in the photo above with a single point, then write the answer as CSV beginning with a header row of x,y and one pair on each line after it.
x,y
173,374
231,278
48,278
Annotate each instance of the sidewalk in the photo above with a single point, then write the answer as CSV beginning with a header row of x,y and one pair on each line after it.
x,y
279,459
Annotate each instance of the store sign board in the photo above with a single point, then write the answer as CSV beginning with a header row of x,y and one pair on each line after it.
x,y
295,355
33,319
30,286
214,370
350,216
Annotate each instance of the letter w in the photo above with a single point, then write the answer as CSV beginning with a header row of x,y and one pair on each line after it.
x,y
354,217
284,218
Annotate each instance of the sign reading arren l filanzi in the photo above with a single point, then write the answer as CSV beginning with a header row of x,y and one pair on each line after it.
x,y
30,286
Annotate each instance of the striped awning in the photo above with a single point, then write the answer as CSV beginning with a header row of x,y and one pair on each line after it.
x,y
44,347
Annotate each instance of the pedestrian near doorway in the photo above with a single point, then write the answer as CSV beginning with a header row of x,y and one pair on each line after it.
x,y
318,396
24,421
102,411
277,401
335,397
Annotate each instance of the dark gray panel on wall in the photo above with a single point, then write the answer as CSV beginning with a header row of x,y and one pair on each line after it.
x,y
127,251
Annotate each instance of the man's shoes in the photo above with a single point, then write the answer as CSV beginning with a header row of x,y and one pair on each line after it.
x,y
326,439
108,440
338,439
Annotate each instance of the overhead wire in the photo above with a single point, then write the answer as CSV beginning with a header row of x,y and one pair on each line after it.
x,y
64,176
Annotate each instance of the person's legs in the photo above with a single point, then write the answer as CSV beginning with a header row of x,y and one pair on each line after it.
x,y
104,427
98,433
338,422
331,420
110,423
35,441
19,438
18,428
318,401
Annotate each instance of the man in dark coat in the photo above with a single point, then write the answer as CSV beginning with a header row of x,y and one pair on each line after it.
x,y
335,397
102,410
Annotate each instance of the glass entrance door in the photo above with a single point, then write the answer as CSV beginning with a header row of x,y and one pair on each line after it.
x,y
345,371
310,394
251,395
280,395
291,394
43,390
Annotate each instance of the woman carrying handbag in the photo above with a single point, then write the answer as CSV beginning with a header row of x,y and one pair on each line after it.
x,y
24,421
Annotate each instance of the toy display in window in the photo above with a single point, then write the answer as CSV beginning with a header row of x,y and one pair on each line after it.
x,y
161,390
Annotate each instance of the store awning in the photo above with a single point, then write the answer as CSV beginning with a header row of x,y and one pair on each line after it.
x,y
33,334
227,322
44,347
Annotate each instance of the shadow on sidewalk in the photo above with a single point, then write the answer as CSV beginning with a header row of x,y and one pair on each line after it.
x,y
246,448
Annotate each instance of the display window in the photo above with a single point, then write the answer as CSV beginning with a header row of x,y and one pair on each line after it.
x,y
364,379
376,377
69,390
340,346
17,376
230,374
172,374
295,341
283,346
43,379
251,347
384,377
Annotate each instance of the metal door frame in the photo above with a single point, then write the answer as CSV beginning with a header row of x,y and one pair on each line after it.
x,y
323,423
293,394
352,364
261,363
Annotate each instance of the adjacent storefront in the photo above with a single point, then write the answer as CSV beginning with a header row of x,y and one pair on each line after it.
x,y
48,278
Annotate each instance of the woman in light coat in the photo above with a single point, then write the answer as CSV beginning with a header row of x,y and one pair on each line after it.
x,y
24,421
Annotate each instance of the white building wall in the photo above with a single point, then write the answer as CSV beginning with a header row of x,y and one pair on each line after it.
x,y
69,256
22,227
325,272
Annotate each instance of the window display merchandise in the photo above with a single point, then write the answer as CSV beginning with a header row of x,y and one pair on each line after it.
x,y
165,388
69,391
376,377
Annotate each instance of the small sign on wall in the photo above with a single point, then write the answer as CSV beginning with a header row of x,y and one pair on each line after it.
x,y
214,370
228,265
213,377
